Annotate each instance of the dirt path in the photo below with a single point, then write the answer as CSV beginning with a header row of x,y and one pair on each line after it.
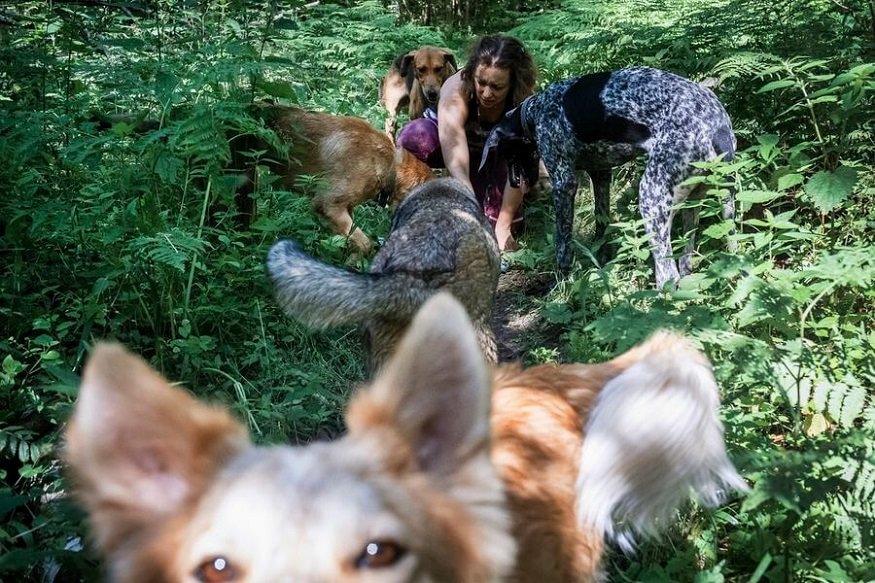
x,y
516,316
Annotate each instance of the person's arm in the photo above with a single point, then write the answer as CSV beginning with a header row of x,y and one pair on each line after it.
x,y
452,113
510,204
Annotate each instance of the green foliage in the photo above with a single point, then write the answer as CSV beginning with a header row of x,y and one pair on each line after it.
x,y
786,319
125,227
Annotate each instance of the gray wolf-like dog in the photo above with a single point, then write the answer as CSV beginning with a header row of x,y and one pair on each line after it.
x,y
415,79
450,472
439,240
596,122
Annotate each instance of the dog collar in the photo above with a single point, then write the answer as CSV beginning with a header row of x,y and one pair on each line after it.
x,y
524,120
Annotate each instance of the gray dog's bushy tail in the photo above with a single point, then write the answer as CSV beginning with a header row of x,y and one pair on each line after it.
x,y
321,296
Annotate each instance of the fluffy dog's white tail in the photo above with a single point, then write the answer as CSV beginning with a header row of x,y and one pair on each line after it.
x,y
653,437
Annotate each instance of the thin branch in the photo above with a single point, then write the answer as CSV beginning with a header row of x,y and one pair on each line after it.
x,y
129,9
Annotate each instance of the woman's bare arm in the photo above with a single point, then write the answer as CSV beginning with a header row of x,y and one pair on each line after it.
x,y
452,113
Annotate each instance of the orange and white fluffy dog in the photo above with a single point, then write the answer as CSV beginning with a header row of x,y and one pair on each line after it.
x,y
449,473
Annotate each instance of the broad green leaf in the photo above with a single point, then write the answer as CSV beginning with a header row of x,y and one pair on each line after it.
x,y
824,99
11,366
719,230
812,64
774,85
829,190
864,69
790,180
758,196
278,89
816,424
768,139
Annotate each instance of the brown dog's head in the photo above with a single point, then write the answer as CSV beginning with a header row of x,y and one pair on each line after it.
x,y
410,172
427,68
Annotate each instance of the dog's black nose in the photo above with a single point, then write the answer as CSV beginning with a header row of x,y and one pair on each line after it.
x,y
431,95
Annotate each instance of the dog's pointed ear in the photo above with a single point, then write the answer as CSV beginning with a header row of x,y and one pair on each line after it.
x,y
433,394
139,449
508,127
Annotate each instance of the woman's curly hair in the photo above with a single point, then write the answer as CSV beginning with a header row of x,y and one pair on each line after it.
x,y
504,52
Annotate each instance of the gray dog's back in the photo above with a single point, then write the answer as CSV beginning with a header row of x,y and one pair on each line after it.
x,y
440,240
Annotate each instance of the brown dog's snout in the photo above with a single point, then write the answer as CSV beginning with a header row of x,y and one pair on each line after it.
x,y
431,94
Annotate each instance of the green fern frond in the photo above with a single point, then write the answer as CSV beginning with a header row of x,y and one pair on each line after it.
x,y
745,65
174,248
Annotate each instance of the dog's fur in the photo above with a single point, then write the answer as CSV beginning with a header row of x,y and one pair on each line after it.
x,y
595,122
428,485
358,163
415,80
440,240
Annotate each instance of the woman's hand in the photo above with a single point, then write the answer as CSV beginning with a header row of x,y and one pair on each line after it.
x,y
510,204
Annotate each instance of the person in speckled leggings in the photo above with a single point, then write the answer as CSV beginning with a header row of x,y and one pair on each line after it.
x,y
498,76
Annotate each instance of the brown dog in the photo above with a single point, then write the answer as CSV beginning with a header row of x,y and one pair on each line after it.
x,y
415,78
357,162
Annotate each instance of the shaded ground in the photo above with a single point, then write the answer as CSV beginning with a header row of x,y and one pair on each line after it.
x,y
516,317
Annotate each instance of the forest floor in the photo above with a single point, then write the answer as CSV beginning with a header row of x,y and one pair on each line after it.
x,y
517,318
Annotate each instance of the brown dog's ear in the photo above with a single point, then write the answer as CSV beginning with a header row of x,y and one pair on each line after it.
x,y
139,449
450,62
405,62
434,393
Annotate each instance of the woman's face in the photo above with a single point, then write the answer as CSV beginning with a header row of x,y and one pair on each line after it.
x,y
492,85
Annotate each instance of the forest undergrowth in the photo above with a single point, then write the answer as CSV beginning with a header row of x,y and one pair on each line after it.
x,y
107,231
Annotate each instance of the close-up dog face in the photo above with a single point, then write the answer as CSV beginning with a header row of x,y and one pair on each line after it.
x,y
175,491
431,67
320,513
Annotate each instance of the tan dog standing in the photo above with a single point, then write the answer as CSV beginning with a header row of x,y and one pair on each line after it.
x,y
415,79
448,474
357,162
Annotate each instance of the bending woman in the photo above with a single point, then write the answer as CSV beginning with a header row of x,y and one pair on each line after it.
x,y
499,75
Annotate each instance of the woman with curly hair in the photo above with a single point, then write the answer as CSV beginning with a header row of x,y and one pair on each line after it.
x,y
498,76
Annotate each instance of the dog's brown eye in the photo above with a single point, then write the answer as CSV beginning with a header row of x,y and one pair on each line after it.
x,y
379,554
216,570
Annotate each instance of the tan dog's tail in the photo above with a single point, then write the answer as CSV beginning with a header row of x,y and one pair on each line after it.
x,y
652,438
321,295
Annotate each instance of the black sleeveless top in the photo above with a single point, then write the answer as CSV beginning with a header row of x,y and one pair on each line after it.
x,y
476,130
